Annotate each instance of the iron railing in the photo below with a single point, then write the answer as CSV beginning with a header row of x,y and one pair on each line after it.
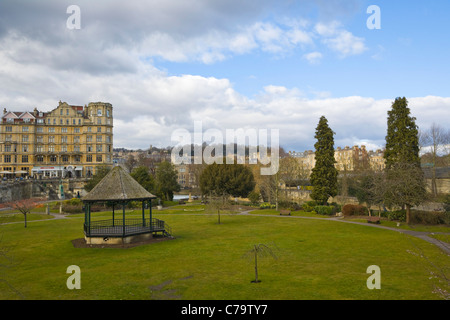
x,y
117,228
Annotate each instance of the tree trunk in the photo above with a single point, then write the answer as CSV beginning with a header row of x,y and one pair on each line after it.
x,y
433,182
256,265
408,213
25,216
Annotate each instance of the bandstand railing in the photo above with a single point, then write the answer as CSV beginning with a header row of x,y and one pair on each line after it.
x,y
123,227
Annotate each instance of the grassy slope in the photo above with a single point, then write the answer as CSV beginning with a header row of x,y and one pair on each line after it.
x,y
316,260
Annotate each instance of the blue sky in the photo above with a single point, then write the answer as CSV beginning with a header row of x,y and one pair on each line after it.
x,y
231,64
412,44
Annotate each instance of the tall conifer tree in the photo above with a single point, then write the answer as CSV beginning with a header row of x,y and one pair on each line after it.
x,y
404,177
402,141
324,174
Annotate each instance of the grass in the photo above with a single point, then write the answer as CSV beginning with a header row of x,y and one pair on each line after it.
x,y
316,259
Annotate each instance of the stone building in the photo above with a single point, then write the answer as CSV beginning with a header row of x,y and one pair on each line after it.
x,y
349,159
68,141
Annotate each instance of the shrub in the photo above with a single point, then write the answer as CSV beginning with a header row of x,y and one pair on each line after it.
x,y
293,206
399,215
337,207
432,218
266,205
68,208
354,210
73,202
254,197
447,203
308,206
324,210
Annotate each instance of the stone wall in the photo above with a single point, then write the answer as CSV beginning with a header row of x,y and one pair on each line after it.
x,y
18,190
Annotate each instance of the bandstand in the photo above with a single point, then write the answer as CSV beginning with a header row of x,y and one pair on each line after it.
x,y
117,189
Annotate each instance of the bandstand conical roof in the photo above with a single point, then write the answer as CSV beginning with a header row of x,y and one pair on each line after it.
x,y
117,185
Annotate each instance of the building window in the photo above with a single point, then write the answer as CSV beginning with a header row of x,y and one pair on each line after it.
x,y
8,129
99,138
99,129
7,158
51,139
51,129
64,130
65,158
99,148
39,130
107,113
25,138
89,158
99,112
89,148
60,121
88,138
24,159
39,158
24,129
25,148
77,158
76,148
54,121
76,139
89,129
53,158
79,121
39,149
99,121
67,121
51,148
8,148
63,148
99,158
8,137
63,139
77,130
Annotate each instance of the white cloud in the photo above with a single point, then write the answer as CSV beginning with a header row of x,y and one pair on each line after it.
x,y
313,57
339,39
110,59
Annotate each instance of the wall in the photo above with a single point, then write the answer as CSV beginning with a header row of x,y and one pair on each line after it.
x,y
18,190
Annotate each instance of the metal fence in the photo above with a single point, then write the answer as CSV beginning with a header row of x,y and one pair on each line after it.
x,y
117,228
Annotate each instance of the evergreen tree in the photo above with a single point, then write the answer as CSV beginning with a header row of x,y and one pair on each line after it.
x,y
100,173
144,178
402,141
236,180
166,181
324,174
404,177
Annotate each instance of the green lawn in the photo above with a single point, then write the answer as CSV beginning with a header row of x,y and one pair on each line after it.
x,y
316,259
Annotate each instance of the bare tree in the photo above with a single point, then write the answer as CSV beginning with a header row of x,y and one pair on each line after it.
x,y
405,187
25,206
130,163
436,139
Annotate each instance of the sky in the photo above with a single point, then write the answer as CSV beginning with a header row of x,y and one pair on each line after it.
x,y
254,64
